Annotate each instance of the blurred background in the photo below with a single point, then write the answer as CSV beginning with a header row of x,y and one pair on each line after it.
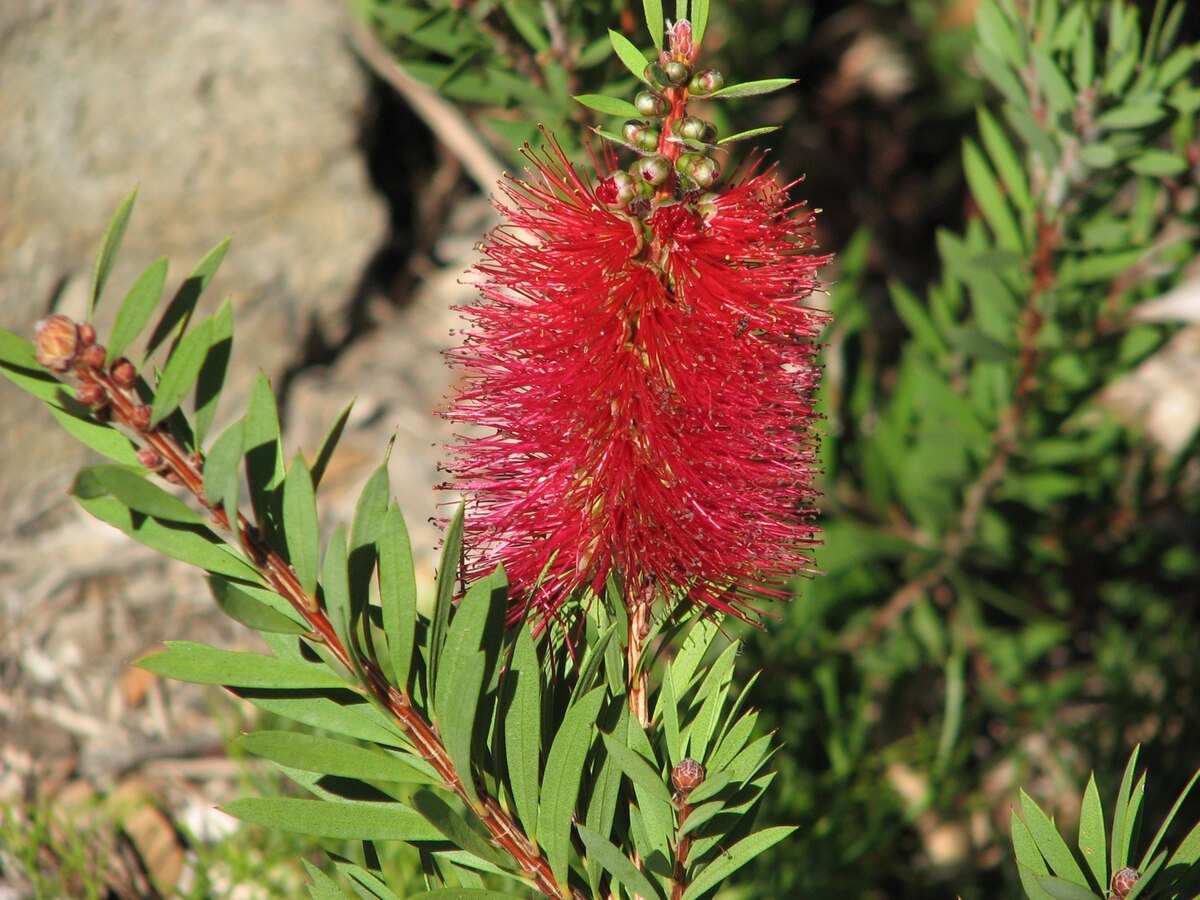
x,y
993,613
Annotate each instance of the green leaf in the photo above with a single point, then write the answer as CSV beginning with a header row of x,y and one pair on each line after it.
x,y
1004,157
734,858
135,310
263,449
1049,842
1130,116
620,867
668,713
526,25
711,697
300,525
461,894
212,373
1091,833
199,664
109,248
1166,823
699,20
637,769
988,195
135,491
753,132
442,817
1158,164
633,58
654,22
1122,825
610,106
695,645
331,757
397,594
322,887
345,821
329,444
913,314
335,582
180,309
560,782
1030,864
192,545
523,727
99,436
1054,85
444,598
472,637
752,88
221,482
1061,889
242,607
183,368
369,513
340,712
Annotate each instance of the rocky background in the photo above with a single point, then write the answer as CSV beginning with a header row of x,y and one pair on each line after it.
x,y
260,119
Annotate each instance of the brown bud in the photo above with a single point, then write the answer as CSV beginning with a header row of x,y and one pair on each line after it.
x,y
123,373
1124,880
93,356
87,334
687,776
91,394
149,459
56,343
139,416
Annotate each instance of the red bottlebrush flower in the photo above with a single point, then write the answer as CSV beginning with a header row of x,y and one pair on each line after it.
x,y
645,378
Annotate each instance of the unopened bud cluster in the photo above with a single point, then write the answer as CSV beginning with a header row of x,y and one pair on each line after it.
x,y
675,149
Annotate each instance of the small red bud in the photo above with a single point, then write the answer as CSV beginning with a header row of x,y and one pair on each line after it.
x,y
1123,881
87,334
617,190
170,476
93,356
687,776
56,343
123,373
139,416
652,169
91,394
706,82
149,459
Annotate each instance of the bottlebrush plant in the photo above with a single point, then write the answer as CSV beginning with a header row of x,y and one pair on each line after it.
x,y
562,722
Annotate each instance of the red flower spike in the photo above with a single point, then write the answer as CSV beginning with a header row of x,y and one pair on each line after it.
x,y
643,380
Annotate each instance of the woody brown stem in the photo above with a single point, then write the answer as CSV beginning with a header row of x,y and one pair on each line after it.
x,y
187,469
637,679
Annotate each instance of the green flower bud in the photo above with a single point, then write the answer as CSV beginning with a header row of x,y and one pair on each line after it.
x,y
652,169
655,75
710,133
677,73
699,170
632,130
624,189
706,81
650,104
690,128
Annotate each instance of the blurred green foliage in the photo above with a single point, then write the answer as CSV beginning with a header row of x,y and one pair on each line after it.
x,y
1011,590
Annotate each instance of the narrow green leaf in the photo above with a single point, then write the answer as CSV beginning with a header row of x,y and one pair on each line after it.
x,y
700,814
300,525
346,821
1030,865
734,858
462,894
1050,843
221,482
913,314
1004,157
654,22
109,248
137,307
637,769
195,546
1158,164
1166,823
668,712
134,490
369,514
610,106
321,886
695,645
620,867
990,198
463,669
711,697
98,436
1188,852
335,582
633,58
212,373
199,664
752,88
183,368
1146,882
327,756
447,577
263,449
523,727
1054,85
732,743
1131,116
182,305
1133,817
368,880
753,132
442,817
1119,840
526,25
699,20
397,594
329,444
1091,833
560,782
339,712
241,607
1061,889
